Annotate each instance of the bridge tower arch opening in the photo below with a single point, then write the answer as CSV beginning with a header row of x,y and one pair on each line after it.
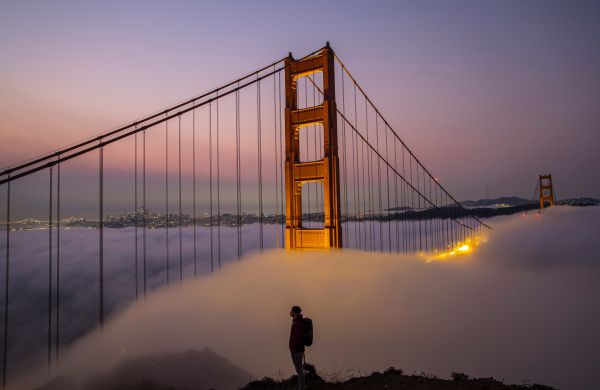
x,y
325,170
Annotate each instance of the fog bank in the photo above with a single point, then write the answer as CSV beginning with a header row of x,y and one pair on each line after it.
x,y
523,307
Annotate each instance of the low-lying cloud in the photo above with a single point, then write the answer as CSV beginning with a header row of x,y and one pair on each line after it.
x,y
523,307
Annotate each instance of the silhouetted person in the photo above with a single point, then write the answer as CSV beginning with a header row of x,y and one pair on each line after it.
x,y
297,343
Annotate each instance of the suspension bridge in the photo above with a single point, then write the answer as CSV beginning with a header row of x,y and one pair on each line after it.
x,y
293,155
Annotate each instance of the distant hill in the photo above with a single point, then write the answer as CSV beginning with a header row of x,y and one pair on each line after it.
x,y
580,201
511,201
482,208
503,201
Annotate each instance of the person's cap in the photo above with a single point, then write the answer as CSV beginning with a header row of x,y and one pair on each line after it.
x,y
296,309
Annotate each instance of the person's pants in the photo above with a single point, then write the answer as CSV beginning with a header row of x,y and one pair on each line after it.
x,y
297,359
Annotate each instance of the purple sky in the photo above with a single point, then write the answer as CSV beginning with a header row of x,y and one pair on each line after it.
x,y
486,94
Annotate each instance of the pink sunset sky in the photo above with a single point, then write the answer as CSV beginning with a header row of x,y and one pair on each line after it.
x,y
487,94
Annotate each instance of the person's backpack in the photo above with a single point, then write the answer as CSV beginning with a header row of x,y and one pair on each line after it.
x,y
307,332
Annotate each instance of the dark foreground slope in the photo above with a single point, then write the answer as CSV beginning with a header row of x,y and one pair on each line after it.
x,y
391,379
205,370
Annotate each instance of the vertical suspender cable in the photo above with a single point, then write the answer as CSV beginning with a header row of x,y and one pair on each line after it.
x,y
101,228
442,222
445,221
358,172
260,190
379,185
364,213
420,209
180,213
135,210
447,226
144,210
356,199
210,197
404,201
240,177
396,196
433,238
371,182
345,176
237,170
443,227
429,215
194,189
417,208
424,213
412,226
6,280
452,227
276,160
218,191
369,188
168,219
50,270
435,222
432,214
453,216
387,186
440,219
57,257
443,233
281,163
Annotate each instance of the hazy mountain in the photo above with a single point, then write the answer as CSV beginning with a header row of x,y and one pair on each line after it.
x,y
511,201
503,201
580,201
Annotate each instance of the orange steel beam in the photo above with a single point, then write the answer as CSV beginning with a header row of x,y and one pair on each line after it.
x,y
325,170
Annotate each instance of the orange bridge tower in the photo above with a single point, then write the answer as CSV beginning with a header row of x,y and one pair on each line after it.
x,y
326,170
546,191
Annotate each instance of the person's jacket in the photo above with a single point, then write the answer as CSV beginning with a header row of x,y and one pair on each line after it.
x,y
296,339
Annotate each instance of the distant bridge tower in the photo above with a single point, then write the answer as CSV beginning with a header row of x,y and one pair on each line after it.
x,y
325,170
546,191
